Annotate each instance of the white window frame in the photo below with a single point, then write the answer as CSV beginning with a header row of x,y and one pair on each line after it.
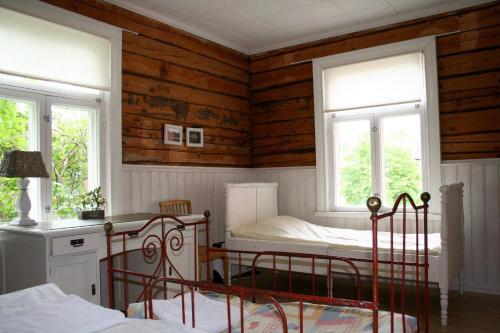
x,y
374,116
111,152
431,163
96,125
40,135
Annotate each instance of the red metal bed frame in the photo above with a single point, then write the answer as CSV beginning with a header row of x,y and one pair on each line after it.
x,y
171,239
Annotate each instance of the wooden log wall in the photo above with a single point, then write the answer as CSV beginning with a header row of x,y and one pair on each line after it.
x,y
170,76
469,86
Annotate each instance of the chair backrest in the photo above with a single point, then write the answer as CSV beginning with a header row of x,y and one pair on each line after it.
x,y
176,207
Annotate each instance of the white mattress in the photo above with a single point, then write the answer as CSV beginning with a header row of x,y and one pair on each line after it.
x,y
293,230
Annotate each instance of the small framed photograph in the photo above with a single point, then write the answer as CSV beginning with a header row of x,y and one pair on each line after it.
x,y
173,135
194,137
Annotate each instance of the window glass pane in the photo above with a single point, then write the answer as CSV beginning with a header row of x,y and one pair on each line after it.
x,y
70,146
14,134
389,80
353,179
402,157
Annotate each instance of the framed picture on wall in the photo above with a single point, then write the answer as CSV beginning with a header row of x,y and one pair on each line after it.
x,y
194,137
172,135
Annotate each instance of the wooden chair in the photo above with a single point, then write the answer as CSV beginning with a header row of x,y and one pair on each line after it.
x,y
183,207
176,207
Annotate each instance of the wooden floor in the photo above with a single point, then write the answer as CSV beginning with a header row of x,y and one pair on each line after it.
x,y
468,313
471,313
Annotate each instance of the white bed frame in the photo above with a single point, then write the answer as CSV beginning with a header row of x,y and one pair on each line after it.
x,y
247,203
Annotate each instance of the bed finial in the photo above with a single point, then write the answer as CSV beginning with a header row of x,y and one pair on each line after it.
x,y
108,227
374,204
206,213
425,197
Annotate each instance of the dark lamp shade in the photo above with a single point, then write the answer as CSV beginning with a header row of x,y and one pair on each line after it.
x,y
23,164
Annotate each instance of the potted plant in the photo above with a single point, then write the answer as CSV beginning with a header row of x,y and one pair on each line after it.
x,y
92,205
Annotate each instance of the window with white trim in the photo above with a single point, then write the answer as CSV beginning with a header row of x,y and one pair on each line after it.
x,y
59,81
66,129
376,125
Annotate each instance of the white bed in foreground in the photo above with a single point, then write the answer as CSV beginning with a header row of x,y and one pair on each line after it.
x,y
248,204
46,308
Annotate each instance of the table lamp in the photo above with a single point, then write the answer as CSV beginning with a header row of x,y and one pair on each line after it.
x,y
23,164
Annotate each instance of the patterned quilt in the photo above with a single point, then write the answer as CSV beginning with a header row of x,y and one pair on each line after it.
x,y
323,319
317,318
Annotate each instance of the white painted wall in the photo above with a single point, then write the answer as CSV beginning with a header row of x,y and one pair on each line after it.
x,y
145,186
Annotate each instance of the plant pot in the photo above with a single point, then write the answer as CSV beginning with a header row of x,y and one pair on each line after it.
x,y
91,214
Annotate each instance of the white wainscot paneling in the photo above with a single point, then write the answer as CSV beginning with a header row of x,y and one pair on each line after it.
x,y
481,180
145,186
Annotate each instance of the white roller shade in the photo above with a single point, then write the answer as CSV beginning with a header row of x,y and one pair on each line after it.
x,y
35,48
391,80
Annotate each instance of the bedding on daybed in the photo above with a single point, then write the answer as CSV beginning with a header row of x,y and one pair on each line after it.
x,y
290,229
263,318
210,313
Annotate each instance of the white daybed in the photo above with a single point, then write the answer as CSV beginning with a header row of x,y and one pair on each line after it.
x,y
247,204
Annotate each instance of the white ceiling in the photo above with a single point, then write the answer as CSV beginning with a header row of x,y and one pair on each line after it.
x,y
252,26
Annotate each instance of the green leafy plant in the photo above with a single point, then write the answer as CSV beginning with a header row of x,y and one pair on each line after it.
x,y
13,135
93,199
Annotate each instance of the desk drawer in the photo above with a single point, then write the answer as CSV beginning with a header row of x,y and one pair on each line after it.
x,y
75,244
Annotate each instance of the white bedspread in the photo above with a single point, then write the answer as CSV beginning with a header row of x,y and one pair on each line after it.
x,y
290,229
210,315
46,308
150,326
67,314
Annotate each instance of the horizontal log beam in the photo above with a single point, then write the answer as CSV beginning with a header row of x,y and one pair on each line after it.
x,y
470,122
160,70
172,157
184,113
173,54
154,88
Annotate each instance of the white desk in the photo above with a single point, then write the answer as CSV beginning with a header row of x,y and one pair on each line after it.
x,y
68,252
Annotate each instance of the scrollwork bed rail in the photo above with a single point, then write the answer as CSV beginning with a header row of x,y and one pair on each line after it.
x,y
154,248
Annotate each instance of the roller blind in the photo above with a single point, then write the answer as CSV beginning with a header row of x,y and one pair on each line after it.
x,y
391,80
35,48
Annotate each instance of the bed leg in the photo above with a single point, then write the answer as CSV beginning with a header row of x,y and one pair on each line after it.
x,y
461,282
444,306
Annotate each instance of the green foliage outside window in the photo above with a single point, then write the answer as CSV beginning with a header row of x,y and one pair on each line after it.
x,y
13,135
402,175
401,172
356,175
69,158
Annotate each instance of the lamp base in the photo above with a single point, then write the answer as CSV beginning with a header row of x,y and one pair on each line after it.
x,y
23,222
23,205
